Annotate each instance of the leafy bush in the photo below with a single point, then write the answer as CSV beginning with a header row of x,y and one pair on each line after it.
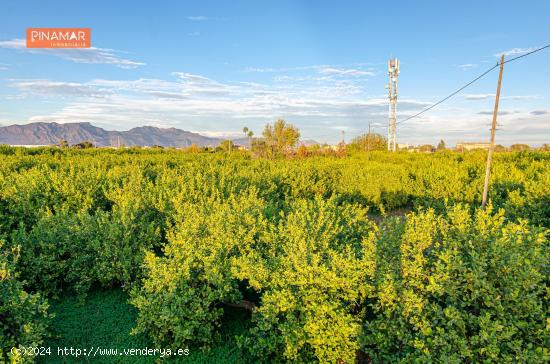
x,y
54,256
313,273
179,301
290,242
75,252
329,286
23,316
467,289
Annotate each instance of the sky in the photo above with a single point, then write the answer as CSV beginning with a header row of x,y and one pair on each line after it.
x,y
214,67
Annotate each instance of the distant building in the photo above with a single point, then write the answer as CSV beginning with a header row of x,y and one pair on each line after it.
x,y
408,147
460,147
404,146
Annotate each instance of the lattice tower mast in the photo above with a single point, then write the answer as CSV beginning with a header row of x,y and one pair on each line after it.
x,y
393,72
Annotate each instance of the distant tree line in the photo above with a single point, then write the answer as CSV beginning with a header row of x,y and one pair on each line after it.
x,y
281,139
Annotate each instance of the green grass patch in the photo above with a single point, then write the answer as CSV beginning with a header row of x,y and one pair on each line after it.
x,y
105,320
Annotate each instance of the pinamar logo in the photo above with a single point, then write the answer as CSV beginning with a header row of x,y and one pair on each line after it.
x,y
58,37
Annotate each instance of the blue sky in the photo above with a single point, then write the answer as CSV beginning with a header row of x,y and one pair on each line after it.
x,y
216,66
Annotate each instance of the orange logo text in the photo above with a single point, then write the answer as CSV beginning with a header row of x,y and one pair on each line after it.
x,y
58,37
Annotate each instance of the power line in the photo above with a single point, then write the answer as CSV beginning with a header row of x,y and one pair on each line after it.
x,y
526,54
471,82
453,93
449,96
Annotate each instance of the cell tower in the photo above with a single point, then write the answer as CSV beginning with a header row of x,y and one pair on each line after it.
x,y
393,72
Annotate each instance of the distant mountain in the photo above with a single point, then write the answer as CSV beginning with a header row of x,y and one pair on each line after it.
x,y
53,133
308,142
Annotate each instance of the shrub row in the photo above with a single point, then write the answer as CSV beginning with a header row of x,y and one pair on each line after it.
x,y
292,243
86,181
23,316
324,284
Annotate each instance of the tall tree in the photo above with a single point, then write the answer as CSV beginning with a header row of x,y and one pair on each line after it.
x,y
83,145
226,146
441,146
248,133
281,137
367,142
519,147
426,148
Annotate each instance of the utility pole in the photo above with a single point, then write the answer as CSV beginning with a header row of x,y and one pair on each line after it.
x,y
343,137
368,140
492,143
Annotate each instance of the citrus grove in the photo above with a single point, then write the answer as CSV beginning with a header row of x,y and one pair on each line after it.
x,y
364,257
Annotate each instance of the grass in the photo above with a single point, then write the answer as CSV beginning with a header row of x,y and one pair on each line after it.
x,y
105,320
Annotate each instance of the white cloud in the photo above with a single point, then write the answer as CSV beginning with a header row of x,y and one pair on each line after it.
x,y
259,69
90,55
317,105
515,52
13,44
199,18
500,112
193,34
325,69
467,66
56,88
522,97
140,85
202,103
345,72
192,84
283,69
479,96
221,134
492,96
515,126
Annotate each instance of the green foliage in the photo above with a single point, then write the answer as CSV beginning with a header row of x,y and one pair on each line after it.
x,y
313,272
23,316
105,320
226,146
194,274
519,147
468,289
426,148
290,244
76,235
82,145
368,142
280,137
53,255
75,252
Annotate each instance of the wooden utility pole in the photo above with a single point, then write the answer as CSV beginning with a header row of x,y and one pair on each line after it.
x,y
368,140
492,143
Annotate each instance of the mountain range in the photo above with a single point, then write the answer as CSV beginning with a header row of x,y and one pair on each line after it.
x,y
53,133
